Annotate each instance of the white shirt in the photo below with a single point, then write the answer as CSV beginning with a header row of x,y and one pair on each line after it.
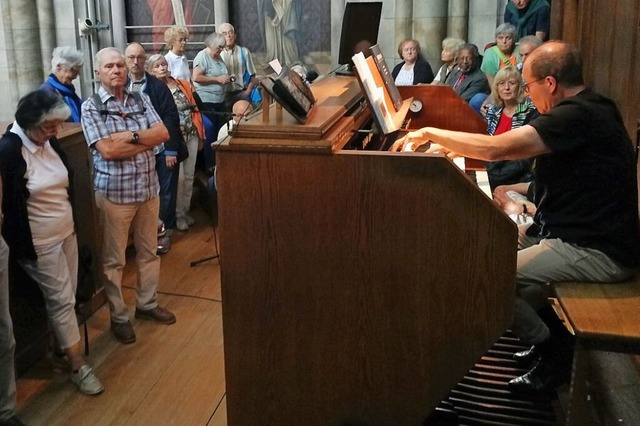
x,y
48,205
178,66
405,77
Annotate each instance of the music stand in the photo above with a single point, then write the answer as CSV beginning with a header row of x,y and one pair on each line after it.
x,y
202,110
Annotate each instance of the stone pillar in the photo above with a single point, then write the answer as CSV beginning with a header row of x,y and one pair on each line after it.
x,y
220,12
25,34
458,21
484,18
430,28
46,23
8,83
337,13
403,23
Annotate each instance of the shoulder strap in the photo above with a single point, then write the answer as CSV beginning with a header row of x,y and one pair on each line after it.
x,y
502,56
244,61
104,112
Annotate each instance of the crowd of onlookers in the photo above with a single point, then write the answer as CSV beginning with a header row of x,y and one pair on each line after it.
x,y
145,128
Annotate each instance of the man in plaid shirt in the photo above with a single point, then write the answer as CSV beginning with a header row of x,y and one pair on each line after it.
x,y
121,134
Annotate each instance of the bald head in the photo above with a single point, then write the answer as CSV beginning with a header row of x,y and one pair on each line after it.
x,y
241,109
557,59
135,57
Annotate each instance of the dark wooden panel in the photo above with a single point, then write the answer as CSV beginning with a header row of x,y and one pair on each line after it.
x,y
608,33
358,287
443,108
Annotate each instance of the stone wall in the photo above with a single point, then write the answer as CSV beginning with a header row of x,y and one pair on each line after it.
x,y
28,35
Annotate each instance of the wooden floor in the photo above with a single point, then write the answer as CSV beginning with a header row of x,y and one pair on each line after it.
x,y
172,375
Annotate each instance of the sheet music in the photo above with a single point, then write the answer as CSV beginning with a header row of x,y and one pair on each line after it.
x,y
374,94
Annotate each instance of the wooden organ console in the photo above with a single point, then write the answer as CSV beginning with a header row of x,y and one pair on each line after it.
x,y
358,285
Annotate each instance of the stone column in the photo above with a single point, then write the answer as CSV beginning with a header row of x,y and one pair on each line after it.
x,y
220,12
26,46
458,22
337,13
403,27
46,23
430,28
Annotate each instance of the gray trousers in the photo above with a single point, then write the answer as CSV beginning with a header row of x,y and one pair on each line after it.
x,y
7,342
543,261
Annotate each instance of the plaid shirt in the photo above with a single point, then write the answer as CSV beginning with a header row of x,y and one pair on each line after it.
x,y
132,180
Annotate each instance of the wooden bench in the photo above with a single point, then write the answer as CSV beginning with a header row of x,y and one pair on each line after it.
x,y
604,316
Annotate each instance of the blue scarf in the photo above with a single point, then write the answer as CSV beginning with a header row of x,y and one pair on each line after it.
x,y
68,92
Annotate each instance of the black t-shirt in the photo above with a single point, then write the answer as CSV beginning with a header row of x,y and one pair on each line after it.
x,y
586,188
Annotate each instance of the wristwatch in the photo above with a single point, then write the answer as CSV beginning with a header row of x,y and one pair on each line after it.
x,y
135,138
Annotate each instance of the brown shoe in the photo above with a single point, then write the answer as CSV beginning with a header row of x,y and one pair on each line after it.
x,y
156,314
123,332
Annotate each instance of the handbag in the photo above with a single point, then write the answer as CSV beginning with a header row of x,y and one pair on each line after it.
x,y
256,97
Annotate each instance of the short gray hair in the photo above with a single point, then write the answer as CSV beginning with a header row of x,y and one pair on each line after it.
x,y
97,60
221,27
66,57
214,40
530,39
506,28
151,60
38,106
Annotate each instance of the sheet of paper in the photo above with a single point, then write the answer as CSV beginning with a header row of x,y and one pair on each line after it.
x,y
276,66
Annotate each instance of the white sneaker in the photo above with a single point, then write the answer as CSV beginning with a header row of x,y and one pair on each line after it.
x,y
190,220
87,381
182,224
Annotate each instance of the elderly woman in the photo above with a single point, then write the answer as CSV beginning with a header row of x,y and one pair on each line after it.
x,y
192,132
38,221
65,67
510,109
449,57
413,69
210,76
176,38
503,54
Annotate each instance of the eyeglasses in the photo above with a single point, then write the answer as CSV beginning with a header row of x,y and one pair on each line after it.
x,y
526,85
134,58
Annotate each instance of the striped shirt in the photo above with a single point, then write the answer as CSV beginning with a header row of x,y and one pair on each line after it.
x,y
132,180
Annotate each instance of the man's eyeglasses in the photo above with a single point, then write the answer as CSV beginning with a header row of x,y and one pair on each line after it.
x,y
526,85
134,58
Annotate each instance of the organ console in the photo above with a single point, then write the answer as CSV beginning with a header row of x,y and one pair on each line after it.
x,y
358,285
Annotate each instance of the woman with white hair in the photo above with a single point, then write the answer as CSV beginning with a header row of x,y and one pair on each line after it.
x,y
449,57
503,54
38,221
65,67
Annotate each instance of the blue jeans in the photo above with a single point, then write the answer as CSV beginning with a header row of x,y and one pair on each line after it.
x,y
168,178
212,120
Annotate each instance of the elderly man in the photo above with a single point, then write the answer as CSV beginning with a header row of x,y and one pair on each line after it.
x,y
169,154
468,80
526,45
121,130
530,17
585,227
238,60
